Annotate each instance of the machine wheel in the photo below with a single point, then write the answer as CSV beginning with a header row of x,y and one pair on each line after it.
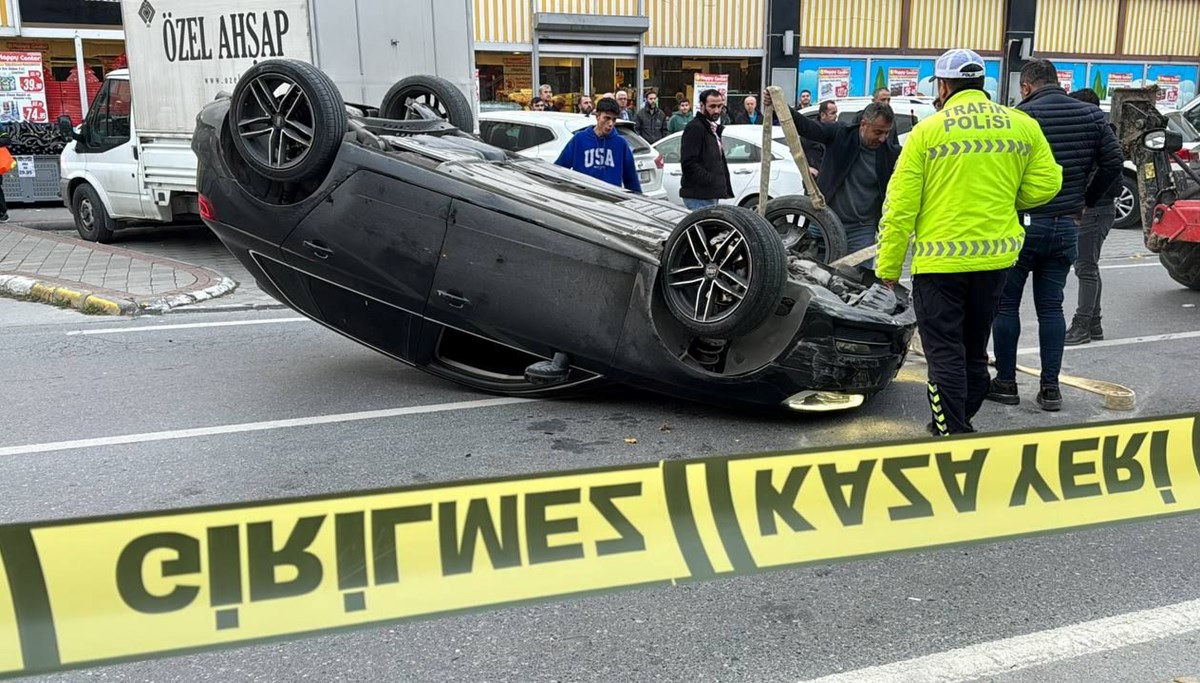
x,y
438,94
722,272
287,120
1127,205
92,221
1182,261
795,219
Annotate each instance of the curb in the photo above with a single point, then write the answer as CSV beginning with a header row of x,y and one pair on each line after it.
x,y
21,287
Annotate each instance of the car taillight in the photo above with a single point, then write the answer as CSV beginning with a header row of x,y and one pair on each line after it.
x,y
206,209
658,161
1186,154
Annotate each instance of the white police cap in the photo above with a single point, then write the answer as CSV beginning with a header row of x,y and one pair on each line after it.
x,y
959,64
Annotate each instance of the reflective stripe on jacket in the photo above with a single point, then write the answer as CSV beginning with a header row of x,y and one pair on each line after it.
x,y
962,176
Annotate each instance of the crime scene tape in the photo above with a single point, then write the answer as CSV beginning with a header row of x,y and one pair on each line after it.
x,y
86,592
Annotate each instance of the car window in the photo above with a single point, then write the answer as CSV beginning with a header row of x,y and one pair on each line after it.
x,y
637,142
110,113
514,137
669,149
741,152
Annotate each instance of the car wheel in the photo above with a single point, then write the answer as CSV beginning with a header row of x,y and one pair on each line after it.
x,y
805,231
288,120
722,272
1182,261
1127,206
92,221
438,94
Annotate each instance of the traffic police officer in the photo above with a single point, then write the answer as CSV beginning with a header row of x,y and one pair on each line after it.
x,y
960,180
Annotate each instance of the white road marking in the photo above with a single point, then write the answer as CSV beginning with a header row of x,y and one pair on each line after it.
x,y
257,426
1036,649
186,326
1033,350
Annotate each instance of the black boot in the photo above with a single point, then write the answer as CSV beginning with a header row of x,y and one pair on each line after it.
x,y
1078,333
1004,392
1096,330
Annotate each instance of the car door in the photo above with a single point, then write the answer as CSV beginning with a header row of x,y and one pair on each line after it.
x,y
515,281
744,160
672,174
369,253
110,151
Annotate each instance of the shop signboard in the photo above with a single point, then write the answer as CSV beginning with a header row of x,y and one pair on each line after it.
x,y
702,82
833,83
1168,91
1118,80
1176,83
22,88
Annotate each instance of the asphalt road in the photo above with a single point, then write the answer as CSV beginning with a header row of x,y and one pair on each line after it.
x,y
781,626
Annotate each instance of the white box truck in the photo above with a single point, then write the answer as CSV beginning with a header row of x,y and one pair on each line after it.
x,y
131,159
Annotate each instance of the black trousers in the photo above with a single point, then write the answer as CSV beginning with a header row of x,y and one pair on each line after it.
x,y
955,312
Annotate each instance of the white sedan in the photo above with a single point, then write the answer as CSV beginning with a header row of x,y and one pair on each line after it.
x,y
743,153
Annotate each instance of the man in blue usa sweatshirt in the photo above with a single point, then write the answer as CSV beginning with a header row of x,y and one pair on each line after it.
x,y
601,152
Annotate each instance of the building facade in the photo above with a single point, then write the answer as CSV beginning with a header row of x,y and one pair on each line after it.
x,y
845,47
74,38
599,46
859,46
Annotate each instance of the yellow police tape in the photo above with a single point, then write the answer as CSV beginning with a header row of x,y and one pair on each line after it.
x,y
79,593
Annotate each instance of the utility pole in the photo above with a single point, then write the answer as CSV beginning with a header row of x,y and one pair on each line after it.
x,y
1019,19
782,63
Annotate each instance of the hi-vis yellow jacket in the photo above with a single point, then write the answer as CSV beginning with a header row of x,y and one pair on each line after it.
x,y
960,180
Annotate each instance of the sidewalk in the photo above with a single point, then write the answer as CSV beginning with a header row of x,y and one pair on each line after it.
x,y
99,278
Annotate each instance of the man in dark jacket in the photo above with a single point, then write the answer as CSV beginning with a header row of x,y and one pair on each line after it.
x,y
651,121
702,155
1093,230
749,115
1087,150
856,168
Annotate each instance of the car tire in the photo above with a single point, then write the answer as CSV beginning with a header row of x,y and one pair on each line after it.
x,y
438,94
1128,205
785,214
731,253
287,137
92,221
1182,261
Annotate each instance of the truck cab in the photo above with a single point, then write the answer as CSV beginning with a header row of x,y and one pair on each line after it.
x,y
110,175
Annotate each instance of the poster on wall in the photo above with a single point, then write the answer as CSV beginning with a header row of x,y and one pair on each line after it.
x,y
1168,91
702,82
1066,80
1177,80
903,81
833,83
1119,80
22,88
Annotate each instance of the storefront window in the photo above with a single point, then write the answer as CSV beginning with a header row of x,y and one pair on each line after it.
x,y
505,78
564,75
669,76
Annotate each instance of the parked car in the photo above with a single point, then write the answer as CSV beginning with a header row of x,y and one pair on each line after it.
x,y
743,153
544,134
513,276
909,111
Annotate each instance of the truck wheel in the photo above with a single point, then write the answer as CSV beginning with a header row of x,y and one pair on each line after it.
x,y
1127,205
92,221
438,94
287,120
722,272
1182,261
806,232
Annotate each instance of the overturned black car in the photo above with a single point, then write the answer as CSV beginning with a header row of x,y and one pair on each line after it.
x,y
514,276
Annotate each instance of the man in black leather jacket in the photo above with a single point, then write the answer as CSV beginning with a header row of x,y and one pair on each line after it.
x,y
1087,150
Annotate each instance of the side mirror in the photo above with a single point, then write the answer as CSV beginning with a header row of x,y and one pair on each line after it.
x,y
64,126
1162,140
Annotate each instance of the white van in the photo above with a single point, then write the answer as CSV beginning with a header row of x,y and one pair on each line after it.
x,y
131,159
